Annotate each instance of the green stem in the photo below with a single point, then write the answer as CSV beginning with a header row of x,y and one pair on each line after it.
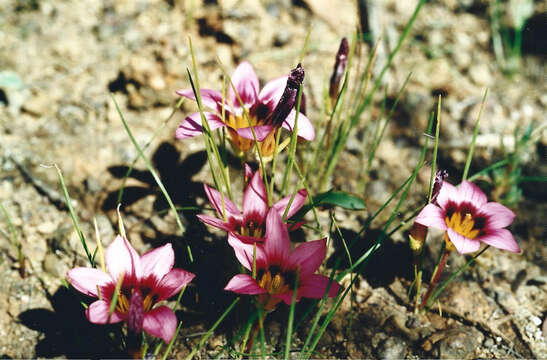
x,y
436,276
453,276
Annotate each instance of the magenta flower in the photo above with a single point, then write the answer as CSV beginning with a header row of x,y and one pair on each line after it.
x,y
147,280
277,267
469,219
249,225
259,105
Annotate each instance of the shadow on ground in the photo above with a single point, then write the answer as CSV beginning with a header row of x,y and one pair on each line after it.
x,y
67,331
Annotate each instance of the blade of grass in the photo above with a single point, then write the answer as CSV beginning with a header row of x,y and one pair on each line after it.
x,y
154,135
353,120
291,317
15,241
292,148
209,140
212,329
73,215
154,175
475,132
170,346
437,292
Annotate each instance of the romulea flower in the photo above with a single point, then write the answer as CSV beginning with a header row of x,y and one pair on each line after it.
x,y
146,281
277,267
260,106
249,225
469,219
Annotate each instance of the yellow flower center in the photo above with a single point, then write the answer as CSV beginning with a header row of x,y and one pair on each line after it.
x,y
463,225
267,146
273,281
122,305
252,229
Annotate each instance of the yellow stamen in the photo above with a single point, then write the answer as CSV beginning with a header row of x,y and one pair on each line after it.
x,y
463,226
147,303
275,285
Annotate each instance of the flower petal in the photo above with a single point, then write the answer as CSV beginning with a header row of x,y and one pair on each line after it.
x,y
501,239
277,243
209,98
244,284
172,283
305,128
160,322
432,216
246,83
248,173
213,221
447,193
467,191
272,91
97,313
216,200
191,125
308,256
121,257
315,286
158,262
255,203
261,132
244,252
463,245
296,204
86,280
498,215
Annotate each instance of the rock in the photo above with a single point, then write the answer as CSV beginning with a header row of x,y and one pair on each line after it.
x,y
480,74
459,343
37,105
392,348
488,343
282,37
46,227
54,266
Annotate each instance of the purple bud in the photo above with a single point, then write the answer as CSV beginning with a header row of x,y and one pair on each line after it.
x,y
135,316
303,104
440,175
288,99
339,68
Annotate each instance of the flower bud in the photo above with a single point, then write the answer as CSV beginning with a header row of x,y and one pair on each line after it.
x,y
288,99
417,237
440,175
339,68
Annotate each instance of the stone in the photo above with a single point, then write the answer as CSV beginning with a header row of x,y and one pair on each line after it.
x,y
54,266
37,105
459,343
480,74
392,348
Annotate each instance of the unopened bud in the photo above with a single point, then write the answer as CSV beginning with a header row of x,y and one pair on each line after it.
x,y
288,99
135,316
440,175
339,68
417,237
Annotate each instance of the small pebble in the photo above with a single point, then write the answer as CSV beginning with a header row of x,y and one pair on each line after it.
x,y
488,343
535,320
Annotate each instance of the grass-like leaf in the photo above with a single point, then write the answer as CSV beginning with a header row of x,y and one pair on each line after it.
x,y
154,175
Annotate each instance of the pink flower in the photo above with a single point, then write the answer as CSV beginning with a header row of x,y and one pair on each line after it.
x,y
260,105
147,279
277,267
469,219
249,225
